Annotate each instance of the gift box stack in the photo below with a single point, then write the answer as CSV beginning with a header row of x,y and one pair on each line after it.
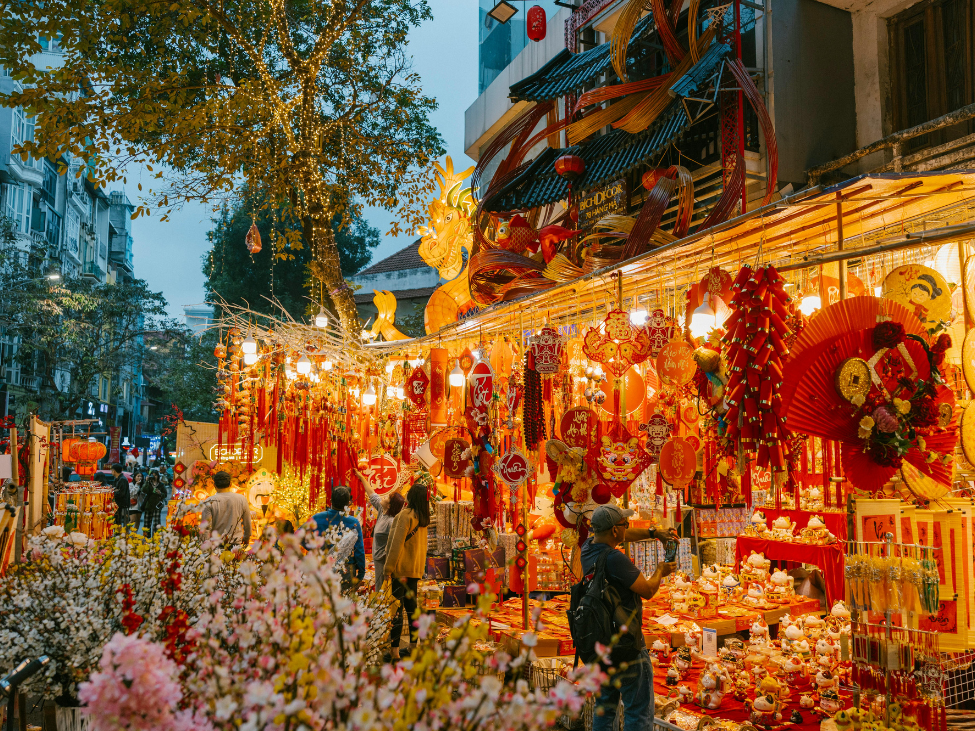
x,y
721,522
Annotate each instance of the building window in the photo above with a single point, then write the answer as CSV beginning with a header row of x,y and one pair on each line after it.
x,y
16,206
931,66
71,231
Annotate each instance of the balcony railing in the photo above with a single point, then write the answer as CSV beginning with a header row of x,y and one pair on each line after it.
x,y
92,271
940,157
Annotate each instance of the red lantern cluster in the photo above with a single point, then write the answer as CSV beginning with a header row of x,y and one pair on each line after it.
x,y
756,336
536,23
570,167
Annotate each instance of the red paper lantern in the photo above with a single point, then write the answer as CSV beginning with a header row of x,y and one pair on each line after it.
x,y
88,451
570,167
536,23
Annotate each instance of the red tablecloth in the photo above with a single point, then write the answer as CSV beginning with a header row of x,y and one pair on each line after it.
x,y
829,559
836,522
732,709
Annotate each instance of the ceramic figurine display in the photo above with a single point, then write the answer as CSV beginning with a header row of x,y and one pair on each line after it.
x,y
710,688
730,588
829,703
807,701
660,651
825,680
795,670
684,694
755,596
755,568
781,588
757,524
816,533
682,662
766,711
783,529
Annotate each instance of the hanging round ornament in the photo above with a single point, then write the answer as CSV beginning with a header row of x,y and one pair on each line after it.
x,y
968,359
546,349
617,458
502,358
601,493
383,471
657,430
513,468
536,23
466,361
678,462
923,291
675,363
578,427
635,389
617,343
968,432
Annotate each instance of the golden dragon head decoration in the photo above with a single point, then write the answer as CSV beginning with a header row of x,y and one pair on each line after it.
x,y
449,233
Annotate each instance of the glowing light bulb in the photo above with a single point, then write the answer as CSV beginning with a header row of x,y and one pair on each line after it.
x,y
457,376
390,367
327,364
704,319
354,391
390,391
303,366
248,346
321,319
639,317
251,358
400,393
809,304
369,397
289,374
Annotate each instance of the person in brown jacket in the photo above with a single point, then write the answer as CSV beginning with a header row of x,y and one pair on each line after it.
x,y
406,558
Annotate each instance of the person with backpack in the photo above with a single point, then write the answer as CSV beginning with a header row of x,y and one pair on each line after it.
x,y
355,570
406,558
609,601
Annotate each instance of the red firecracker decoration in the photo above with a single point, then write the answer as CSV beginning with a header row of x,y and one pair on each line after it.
x,y
755,344
536,23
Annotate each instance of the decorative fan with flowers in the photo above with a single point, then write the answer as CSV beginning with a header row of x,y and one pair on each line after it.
x,y
878,390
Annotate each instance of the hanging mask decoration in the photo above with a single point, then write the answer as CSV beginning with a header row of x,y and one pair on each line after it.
x,y
657,430
253,240
618,459
546,348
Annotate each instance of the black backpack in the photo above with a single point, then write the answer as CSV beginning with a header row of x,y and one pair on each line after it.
x,y
595,615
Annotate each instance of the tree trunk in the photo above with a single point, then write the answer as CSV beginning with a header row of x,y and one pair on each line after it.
x,y
326,266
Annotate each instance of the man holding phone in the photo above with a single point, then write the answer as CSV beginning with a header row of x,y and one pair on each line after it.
x,y
610,528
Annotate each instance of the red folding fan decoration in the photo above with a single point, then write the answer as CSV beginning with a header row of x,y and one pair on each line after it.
x,y
617,458
861,389
617,343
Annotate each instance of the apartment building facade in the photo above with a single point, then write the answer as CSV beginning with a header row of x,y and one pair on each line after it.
x,y
63,226
841,81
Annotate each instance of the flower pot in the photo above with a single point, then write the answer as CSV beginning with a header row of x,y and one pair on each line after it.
x,y
70,718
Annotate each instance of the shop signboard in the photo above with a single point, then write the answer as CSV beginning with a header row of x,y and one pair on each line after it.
x,y
599,202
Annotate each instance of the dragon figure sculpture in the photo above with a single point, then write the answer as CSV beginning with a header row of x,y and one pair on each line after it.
x,y
442,244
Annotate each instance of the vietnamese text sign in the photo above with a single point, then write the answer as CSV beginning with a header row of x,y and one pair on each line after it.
x,y
599,202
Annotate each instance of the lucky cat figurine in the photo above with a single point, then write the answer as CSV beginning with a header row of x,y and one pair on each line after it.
x,y
795,670
782,588
757,524
660,651
755,595
825,680
765,711
755,568
829,704
710,690
684,694
682,661
782,528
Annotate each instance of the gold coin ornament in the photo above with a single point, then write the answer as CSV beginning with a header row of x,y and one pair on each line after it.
x,y
968,433
920,484
923,291
968,359
945,412
853,378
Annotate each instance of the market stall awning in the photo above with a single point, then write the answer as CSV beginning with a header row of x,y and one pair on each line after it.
x,y
798,231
